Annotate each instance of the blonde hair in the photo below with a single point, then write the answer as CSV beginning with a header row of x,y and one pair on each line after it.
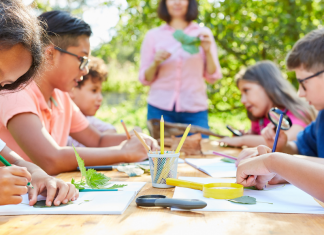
x,y
278,89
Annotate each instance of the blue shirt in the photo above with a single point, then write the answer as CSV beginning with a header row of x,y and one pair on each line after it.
x,y
310,141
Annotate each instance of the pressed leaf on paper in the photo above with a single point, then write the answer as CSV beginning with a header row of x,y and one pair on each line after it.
x,y
42,204
243,200
93,179
228,160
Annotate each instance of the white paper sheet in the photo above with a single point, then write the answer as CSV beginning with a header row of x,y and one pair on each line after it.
x,y
285,199
213,167
114,202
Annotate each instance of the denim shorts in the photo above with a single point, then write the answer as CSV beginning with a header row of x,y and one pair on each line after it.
x,y
197,119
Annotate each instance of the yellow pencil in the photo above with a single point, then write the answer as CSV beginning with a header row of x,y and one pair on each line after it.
x,y
183,139
142,141
162,135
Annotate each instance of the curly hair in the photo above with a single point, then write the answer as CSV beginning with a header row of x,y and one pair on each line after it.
x,y
18,25
97,71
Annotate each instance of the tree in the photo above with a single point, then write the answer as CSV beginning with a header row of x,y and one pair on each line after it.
x,y
246,32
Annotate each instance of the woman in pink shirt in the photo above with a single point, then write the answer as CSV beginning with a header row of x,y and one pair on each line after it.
x,y
178,88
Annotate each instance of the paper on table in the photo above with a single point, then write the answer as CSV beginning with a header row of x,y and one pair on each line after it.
x,y
213,167
285,199
113,202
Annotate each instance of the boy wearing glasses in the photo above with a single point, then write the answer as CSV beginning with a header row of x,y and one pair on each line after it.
x,y
307,60
260,166
36,122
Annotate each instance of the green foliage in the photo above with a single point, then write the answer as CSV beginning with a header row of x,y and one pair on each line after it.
x,y
93,179
188,43
96,180
228,160
78,185
245,31
243,200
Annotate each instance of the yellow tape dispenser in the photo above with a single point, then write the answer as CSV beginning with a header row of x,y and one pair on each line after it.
x,y
212,190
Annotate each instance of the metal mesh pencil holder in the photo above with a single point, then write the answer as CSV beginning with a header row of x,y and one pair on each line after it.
x,y
163,166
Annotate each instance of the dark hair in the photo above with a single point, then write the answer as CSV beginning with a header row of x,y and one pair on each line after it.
x,y
63,28
97,71
308,52
192,12
279,90
18,25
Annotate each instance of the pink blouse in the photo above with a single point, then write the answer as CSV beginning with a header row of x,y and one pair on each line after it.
x,y
257,126
179,80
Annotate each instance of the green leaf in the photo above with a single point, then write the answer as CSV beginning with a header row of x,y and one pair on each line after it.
x,y
42,204
228,160
96,180
243,200
78,185
189,44
116,186
80,163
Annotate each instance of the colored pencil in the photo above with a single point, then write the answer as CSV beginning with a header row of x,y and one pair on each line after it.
x,y
142,141
6,163
274,147
183,139
125,128
224,155
98,190
162,135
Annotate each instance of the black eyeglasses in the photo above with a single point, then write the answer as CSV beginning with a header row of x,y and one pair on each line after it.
x,y
303,80
84,60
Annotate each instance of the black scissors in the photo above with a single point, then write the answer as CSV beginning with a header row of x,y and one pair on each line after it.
x,y
163,201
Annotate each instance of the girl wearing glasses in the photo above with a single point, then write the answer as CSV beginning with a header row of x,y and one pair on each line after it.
x,y
262,87
177,78
21,58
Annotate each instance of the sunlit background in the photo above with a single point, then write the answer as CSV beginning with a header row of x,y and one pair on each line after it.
x,y
245,31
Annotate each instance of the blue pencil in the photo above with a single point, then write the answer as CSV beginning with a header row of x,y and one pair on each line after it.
x,y
277,133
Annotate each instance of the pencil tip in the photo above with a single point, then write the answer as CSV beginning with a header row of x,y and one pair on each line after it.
x,y
162,118
121,121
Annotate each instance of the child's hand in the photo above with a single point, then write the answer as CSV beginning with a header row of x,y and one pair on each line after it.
x,y
161,56
53,189
269,135
252,152
13,183
232,141
133,150
151,142
254,172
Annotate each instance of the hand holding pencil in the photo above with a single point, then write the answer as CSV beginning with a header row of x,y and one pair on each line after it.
x,y
13,181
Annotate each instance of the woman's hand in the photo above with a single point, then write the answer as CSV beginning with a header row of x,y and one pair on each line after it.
x,y
53,189
13,184
269,135
205,40
161,56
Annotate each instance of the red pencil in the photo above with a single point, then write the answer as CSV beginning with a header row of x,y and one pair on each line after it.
x,y
125,128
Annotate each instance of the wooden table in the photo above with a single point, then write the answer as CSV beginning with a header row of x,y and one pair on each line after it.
x,y
163,221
